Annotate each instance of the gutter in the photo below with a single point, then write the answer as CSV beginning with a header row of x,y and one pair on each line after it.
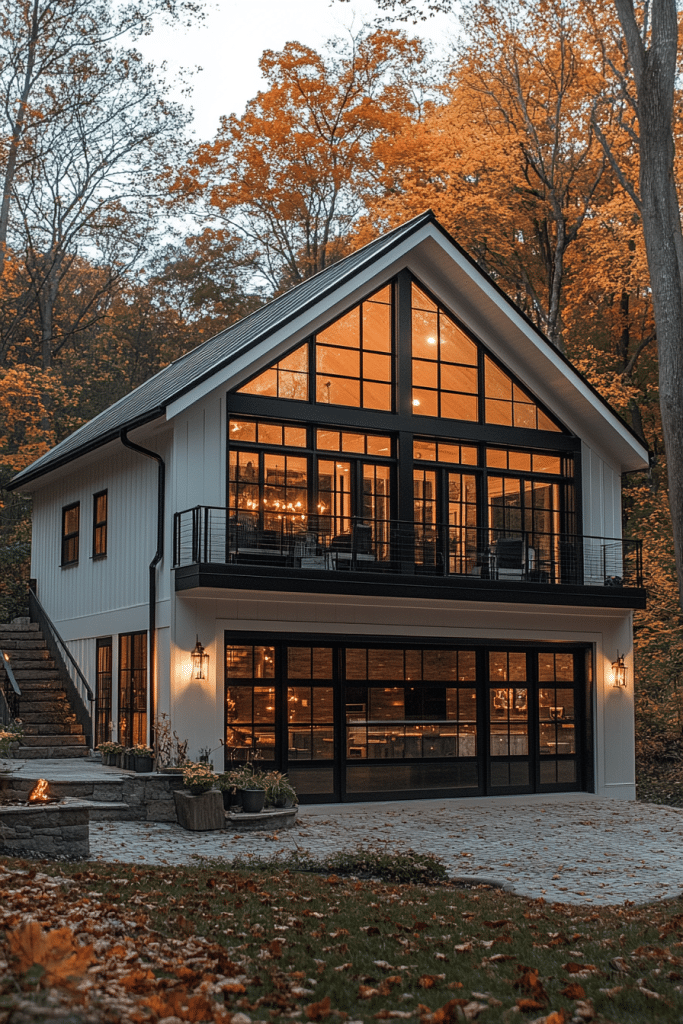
x,y
159,554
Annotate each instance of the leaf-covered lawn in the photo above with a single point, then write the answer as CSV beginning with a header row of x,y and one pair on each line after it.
x,y
91,943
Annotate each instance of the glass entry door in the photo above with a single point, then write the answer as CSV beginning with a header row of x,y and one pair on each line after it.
x,y
509,742
533,709
311,734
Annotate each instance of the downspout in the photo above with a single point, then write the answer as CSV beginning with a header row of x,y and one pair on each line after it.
x,y
161,490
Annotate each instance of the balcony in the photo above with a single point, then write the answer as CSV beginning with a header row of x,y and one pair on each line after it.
x,y
218,547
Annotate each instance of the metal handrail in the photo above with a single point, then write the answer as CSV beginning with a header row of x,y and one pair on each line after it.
x,y
48,626
10,699
10,673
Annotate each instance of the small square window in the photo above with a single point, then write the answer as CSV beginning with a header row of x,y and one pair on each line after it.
x,y
99,528
71,515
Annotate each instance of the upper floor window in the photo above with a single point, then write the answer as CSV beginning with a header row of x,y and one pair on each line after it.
x,y
353,356
449,368
349,364
445,363
99,525
70,533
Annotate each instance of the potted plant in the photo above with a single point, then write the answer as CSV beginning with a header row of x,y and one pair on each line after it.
x,y
251,784
199,778
232,798
109,751
279,790
128,759
143,758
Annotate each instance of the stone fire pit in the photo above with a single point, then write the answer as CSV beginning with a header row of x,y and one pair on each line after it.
x,y
56,829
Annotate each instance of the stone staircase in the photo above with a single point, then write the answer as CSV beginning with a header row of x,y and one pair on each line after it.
x,y
51,728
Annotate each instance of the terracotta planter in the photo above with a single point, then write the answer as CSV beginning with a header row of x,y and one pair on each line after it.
x,y
253,800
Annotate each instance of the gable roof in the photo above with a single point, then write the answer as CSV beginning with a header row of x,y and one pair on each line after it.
x,y
151,399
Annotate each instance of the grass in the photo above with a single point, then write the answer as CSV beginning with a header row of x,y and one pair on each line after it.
x,y
376,949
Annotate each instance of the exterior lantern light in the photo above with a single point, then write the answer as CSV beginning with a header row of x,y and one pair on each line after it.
x,y
619,671
200,661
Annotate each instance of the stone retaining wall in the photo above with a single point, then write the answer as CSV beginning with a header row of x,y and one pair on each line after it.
x,y
135,797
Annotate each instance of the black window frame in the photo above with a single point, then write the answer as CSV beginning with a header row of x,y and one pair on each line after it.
x,y
104,691
99,526
70,539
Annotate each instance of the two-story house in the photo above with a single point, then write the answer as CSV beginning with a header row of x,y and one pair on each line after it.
x,y
370,534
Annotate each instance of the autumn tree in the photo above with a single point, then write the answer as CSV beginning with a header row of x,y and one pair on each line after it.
x,y
293,174
650,35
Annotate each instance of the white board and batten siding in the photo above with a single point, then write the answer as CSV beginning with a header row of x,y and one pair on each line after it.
x,y
101,596
199,455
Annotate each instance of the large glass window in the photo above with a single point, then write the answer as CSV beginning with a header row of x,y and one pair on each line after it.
x,y
268,491
250,702
422,717
99,525
447,364
509,404
132,689
288,378
71,515
353,360
445,361
104,710
353,356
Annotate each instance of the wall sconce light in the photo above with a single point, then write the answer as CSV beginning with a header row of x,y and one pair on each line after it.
x,y
200,661
619,671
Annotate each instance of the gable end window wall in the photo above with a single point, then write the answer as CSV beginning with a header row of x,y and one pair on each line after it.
x,y
352,363
459,472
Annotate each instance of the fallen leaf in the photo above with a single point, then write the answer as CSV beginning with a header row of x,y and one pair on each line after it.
x,y
54,951
525,1004
318,1011
448,1013
367,992
386,986
574,991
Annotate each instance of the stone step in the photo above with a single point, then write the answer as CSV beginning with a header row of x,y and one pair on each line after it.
x,y
55,741
36,753
61,717
55,702
51,729
22,657
18,627
38,672
34,685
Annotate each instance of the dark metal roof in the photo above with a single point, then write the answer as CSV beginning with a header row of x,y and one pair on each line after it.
x,y
149,400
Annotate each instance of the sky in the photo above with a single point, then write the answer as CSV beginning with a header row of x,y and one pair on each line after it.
x,y
228,45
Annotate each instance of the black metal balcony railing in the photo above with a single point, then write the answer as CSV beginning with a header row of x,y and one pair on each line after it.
x,y
205,534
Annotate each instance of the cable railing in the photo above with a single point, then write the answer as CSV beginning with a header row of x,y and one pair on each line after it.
x,y
214,535
78,688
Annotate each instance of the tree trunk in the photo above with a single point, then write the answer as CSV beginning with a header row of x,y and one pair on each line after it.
x,y
654,69
16,136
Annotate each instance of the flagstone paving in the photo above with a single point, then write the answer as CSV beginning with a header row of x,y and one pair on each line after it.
x,y
567,847
573,849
